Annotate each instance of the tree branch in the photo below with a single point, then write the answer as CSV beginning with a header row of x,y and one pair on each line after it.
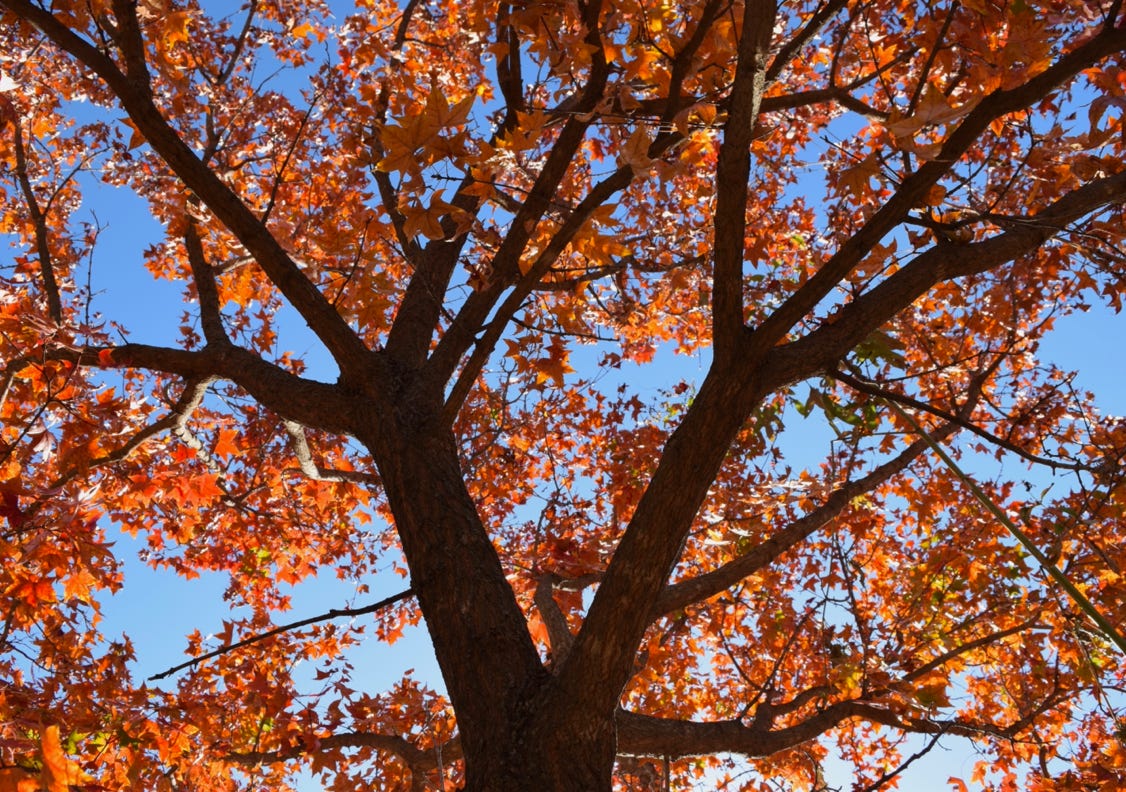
x,y
558,632
873,389
174,421
821,348
335,613
420,762
210,317
807,33
455,343
462,333
733,169
483,349
305,462
311,403
889,775
646,735
702,587
42,238
133,91
913,187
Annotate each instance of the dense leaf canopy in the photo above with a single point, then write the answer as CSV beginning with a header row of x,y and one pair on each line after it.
x,y
628,320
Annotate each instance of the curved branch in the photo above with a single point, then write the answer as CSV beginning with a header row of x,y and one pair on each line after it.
x,y
310,468
647,735
175,421
334,613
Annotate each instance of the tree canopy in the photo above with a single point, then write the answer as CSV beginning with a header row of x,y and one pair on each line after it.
x,y
500,222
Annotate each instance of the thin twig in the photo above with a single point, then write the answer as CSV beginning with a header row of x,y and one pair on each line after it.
x,y
873,389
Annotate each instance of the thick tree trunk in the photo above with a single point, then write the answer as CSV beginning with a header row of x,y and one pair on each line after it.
x,y
522,728
514,734
547,762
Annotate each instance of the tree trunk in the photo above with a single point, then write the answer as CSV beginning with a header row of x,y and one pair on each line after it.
x,y
557,749
514,734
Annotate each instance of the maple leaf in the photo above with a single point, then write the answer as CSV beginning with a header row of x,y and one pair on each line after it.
x,y
59,773
513,308
553,368
226,444
635,151
933,109
858,178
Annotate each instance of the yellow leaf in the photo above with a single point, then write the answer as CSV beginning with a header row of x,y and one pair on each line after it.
x,y
176,28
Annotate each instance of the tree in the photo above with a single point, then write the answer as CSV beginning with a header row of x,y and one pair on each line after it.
x,y
495,218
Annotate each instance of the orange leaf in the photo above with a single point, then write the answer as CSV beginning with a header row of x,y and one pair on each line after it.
x,y
635,152
226,446
16,779
932,110
56,774
176,27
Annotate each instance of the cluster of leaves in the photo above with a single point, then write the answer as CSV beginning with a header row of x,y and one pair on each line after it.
x,y
500,222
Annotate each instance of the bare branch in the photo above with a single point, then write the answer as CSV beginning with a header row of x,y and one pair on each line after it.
x,y
558,632
310,468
